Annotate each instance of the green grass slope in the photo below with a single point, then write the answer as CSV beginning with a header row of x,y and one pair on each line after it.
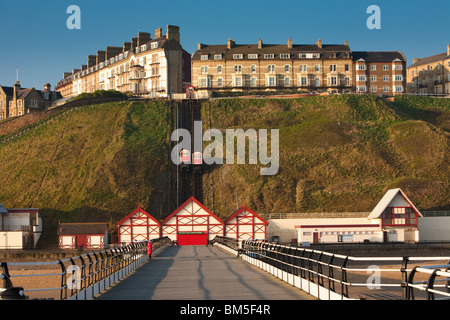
x,y
337,153
96,163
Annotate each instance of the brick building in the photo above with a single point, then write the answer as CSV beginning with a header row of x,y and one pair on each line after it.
x,y
319,67
381,73
144,67
430,75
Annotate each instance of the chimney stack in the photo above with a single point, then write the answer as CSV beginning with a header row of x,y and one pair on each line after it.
x,y
415,60
126,46
346,43
289,44
133,43
200,46
173,33
448,49
91,61
230,44
66,74
319,43
101,56
260,44
158,33
112,52
143,37
17,87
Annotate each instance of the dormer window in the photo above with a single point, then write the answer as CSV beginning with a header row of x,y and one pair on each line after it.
x,y
204,57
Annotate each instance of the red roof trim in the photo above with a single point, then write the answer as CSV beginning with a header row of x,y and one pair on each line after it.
x,y
138,209
338,226
185,204
245,208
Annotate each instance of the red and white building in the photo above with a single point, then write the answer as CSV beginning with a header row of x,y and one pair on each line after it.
x,y
139,225
394,219
192,223
245,224
83,235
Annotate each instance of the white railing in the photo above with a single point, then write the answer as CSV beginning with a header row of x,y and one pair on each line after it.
x,y
331,276
85,276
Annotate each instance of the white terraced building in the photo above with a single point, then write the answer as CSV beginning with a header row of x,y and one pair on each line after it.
x,y
19,228
147,67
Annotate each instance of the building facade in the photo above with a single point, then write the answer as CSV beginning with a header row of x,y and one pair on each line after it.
x,y
16,101
310,68
378,72
430,75
19,228
145,66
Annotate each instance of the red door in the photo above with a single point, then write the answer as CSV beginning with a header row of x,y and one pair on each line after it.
x,y
82,241
316,237
192,239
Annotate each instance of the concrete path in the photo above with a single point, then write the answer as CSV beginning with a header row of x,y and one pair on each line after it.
x,y
200,273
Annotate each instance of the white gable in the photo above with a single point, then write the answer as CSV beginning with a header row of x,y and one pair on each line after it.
x,y
392,198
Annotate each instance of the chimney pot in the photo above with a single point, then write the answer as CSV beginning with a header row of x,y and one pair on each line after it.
x,y
319,43
158,33
289,44
230,44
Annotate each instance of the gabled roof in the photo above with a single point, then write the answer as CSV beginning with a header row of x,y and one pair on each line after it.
x,y
378,56
244,208
3,209
9,91
430,59
387,200
82,228
191,199
138,209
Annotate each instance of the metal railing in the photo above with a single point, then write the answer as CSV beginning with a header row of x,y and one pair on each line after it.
x,y
331,276
84,276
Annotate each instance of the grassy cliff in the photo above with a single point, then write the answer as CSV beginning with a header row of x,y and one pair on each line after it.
x,y
337,153
96,163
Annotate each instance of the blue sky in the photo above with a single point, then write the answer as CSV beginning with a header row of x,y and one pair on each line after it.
x,y
36,40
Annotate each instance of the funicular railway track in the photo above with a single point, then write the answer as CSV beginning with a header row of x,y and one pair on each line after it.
x,y
189,174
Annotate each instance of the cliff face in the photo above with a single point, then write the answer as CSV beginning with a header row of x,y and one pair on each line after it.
x,y
96,163
337,153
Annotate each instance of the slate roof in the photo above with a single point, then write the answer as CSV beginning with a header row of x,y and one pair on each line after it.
x,y
82,228
275,49
9,91
430,59
378,56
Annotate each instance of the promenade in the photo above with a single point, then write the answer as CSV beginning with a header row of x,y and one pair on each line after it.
x,y
200,273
